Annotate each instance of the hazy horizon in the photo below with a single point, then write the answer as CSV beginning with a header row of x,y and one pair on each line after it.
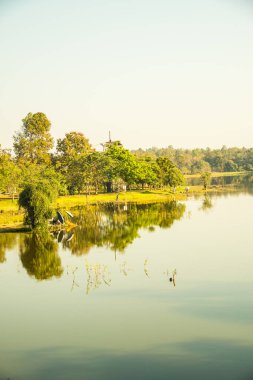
x,y
154,73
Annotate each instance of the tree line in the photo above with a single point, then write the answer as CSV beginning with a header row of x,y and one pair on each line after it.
x,y
75,166
191,161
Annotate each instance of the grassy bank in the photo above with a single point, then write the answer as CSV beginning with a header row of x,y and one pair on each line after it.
x,y
10,215
218,174
131,196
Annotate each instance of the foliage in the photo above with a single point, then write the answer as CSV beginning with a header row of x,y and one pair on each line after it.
x,y
120,163
36,199
205,178
199,166
70,153
199,160
71,148
168,173
10,173
33,143
76,167
44,174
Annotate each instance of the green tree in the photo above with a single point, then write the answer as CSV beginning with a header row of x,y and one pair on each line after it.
x,y
120,163
175,177
10,174
71,148
94,167
200,166
230,166
33,174
168,173
205,178
69,159
146,173
33,143
36,199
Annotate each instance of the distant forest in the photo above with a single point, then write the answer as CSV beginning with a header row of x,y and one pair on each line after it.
x,y
191,161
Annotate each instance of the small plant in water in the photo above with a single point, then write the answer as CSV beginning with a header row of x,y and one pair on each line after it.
x,y
146,267
124,269
97,275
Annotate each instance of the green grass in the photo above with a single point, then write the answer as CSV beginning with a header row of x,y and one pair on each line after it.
x,y
10,215
8,204
131,196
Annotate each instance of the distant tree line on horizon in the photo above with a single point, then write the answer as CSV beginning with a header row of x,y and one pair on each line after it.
x,y
192,161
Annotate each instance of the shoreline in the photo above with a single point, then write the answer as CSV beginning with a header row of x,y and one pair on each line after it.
x,y
11,218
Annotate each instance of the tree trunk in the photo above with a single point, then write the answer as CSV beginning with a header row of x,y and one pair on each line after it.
x,y
109,187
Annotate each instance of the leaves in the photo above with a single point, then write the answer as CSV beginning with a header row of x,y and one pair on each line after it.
x,y
33,143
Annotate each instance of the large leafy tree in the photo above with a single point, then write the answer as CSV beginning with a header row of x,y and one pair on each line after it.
x,y
94,166
10,174
72,147
146,173
121,164
33,143
69,159
168,173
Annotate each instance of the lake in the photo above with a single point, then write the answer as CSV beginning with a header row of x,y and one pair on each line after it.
x,y
134,292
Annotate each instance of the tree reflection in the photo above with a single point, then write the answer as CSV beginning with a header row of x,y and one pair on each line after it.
x,y
240,182
207,203
39,256
7,241
116,226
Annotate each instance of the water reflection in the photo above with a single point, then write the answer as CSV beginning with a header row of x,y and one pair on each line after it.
x,y
113,226
178,303
97,275
243,182
117,226
7,241
206,203
38,253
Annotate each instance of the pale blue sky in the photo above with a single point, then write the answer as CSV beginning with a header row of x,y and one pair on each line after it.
x,y
153,72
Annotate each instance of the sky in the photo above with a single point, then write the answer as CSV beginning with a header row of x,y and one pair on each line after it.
x,y
153,72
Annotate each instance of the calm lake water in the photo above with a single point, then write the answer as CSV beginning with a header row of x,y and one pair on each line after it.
x,y
147,292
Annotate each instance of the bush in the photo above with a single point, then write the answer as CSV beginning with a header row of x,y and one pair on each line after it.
x,y
36,200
